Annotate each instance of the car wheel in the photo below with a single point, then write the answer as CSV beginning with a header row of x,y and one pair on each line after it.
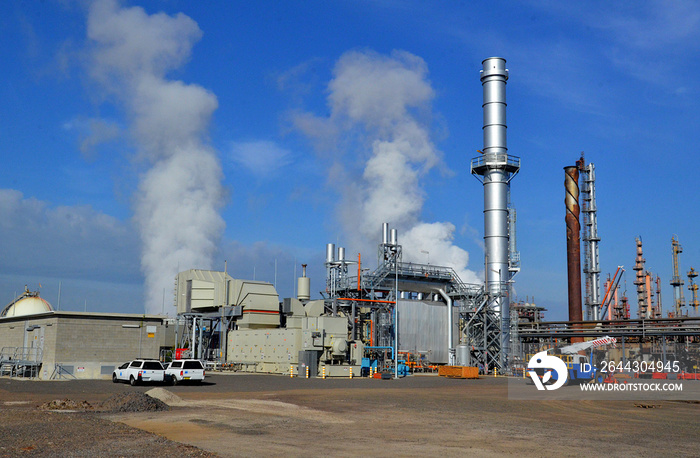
x,y
132,380
114,378
173,380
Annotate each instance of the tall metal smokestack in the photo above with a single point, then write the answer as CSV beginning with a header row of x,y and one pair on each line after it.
x,y
497,169
573,243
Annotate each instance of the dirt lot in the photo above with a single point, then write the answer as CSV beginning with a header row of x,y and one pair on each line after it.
x,y
256,415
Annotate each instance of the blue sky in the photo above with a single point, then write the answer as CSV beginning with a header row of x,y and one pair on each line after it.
x,y
295,118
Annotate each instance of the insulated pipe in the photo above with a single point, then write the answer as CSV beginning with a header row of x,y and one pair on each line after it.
x,y
394,239
573,243
450,337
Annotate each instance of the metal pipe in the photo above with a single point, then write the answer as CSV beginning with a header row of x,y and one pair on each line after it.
x,y
394,239
573,243
365,300
450,337
396,311
199,344
354,322
194,328
385,233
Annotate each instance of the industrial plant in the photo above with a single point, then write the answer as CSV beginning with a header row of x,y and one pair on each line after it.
x,y
395,320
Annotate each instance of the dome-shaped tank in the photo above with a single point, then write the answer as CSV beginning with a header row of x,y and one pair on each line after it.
x,y
28,303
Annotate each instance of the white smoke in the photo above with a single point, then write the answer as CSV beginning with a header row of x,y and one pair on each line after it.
x,y
388,98
180,195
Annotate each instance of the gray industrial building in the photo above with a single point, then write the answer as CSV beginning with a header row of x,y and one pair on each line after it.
x,y
49,345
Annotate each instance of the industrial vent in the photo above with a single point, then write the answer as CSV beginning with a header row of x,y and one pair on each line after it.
x,y
106,370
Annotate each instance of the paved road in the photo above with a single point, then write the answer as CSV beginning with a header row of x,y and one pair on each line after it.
x,y
227,383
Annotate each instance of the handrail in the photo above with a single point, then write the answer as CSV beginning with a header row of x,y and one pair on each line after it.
x,y
497,158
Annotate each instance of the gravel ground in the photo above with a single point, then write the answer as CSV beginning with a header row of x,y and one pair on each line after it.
x,y
35,432
66,427
257,415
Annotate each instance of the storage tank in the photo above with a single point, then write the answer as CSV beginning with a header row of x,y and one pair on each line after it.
x,y
29,303
463,357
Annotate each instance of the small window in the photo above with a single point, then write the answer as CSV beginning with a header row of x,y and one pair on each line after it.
x,y
124,366
176,364
193,365
136,363
152,365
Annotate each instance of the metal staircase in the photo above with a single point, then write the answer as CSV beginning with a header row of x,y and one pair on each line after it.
x,y
20,361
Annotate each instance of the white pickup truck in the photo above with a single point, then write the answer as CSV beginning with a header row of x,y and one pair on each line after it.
x,y
185,370
139,371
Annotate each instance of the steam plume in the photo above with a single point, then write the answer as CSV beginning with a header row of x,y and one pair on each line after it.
x,y
388,99
180,195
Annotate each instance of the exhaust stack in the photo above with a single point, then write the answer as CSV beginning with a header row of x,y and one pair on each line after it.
x,y
573,243
497,169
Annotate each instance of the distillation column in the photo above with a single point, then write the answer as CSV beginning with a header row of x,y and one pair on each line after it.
x,y
693,287
639,281
676,281
497,169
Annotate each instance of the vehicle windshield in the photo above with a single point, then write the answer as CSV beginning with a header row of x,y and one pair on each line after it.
x,y
152,365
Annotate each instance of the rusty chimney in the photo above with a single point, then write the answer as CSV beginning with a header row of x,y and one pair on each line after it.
x,y
573,242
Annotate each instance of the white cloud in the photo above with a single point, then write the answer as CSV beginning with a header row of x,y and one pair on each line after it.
x,y
260,157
